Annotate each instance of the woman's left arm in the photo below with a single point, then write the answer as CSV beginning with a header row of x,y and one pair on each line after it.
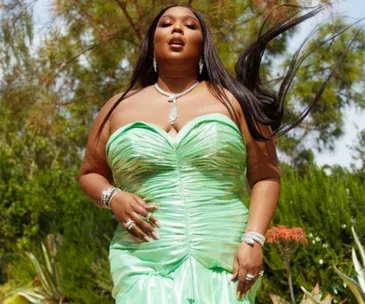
x,y
263,175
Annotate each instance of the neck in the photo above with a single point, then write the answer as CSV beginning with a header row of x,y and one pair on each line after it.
x,y
176,83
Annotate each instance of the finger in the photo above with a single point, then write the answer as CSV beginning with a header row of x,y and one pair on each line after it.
x,y
148,208
254,271
234,270
137,228
131,231
241,280
144,226
142,211
249,283
144,204
136,231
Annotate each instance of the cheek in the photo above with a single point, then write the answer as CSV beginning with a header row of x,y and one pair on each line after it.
x,y
160,36
196,39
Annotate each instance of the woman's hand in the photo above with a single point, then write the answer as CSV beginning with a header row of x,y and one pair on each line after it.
x,y
130,207
247,260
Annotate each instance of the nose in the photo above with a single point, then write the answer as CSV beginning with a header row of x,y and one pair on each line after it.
x,y
177,28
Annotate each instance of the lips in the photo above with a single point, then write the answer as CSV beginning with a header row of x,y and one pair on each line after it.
x,y
176,41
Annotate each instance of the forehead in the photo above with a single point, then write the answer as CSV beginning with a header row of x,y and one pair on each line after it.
x,y
179,12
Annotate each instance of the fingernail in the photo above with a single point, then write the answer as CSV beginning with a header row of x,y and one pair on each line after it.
x,y
147,238
158,224
229,278
155,235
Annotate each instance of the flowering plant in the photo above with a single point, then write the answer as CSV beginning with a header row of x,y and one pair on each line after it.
x,y
284,234
287,241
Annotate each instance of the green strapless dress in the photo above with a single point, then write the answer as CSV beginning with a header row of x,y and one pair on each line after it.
x,y
196,179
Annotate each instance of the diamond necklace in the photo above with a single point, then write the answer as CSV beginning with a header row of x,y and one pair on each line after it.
x,y
173,97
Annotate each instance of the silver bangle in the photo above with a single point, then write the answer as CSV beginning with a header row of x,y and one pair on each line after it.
x,y
251,237
107,195
115,192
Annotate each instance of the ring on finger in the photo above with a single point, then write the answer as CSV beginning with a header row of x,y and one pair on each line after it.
x,y
129,224
249,277
147,217
149,214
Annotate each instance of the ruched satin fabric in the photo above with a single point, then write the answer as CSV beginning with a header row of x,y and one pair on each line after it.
x,y
196,179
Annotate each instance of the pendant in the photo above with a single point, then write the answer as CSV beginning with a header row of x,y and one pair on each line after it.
x,y
173,112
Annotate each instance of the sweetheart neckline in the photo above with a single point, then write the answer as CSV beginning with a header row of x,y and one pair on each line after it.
x,y
174,141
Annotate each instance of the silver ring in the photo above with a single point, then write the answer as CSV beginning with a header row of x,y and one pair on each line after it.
x,y
249,277
261,273
149,214
129,224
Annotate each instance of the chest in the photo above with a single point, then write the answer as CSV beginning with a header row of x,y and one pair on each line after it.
x,y
157,110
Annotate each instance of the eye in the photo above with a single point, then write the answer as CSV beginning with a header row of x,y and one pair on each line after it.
x,y
191,26
165,24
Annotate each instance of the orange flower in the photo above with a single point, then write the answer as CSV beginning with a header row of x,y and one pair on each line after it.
x,y
284,234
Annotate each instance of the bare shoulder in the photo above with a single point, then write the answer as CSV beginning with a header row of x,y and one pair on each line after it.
x,y
246,134
109,104
103,113
236,106
95,158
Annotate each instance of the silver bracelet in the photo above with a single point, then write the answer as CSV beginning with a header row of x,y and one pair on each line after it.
x,y
251,237
107,195
116,191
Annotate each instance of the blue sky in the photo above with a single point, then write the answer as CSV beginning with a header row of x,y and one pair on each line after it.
x,y
354,118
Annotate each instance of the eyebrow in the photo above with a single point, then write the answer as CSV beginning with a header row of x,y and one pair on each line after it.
x,y
185,17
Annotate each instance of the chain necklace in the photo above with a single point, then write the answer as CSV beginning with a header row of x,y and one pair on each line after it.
x,y
173,97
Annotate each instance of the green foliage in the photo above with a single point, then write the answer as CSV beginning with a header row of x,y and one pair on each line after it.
x,y
82,258
84,254
314,297
325,206
22,273
45,287
359,150
353,285
357,287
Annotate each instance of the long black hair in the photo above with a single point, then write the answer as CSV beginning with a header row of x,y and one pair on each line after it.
x,y
259,103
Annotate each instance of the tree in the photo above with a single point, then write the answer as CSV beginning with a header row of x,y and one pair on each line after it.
x,y
52,85
359,150
325,123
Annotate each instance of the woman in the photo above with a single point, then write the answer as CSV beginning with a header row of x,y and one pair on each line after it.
x,y
171,168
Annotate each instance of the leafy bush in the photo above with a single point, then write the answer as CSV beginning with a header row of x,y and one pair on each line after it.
x,y
324,205
356,286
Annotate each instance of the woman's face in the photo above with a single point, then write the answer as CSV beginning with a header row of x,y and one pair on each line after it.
x,y
178,35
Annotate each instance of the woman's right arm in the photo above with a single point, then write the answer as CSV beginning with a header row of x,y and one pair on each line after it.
x,y
95,176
